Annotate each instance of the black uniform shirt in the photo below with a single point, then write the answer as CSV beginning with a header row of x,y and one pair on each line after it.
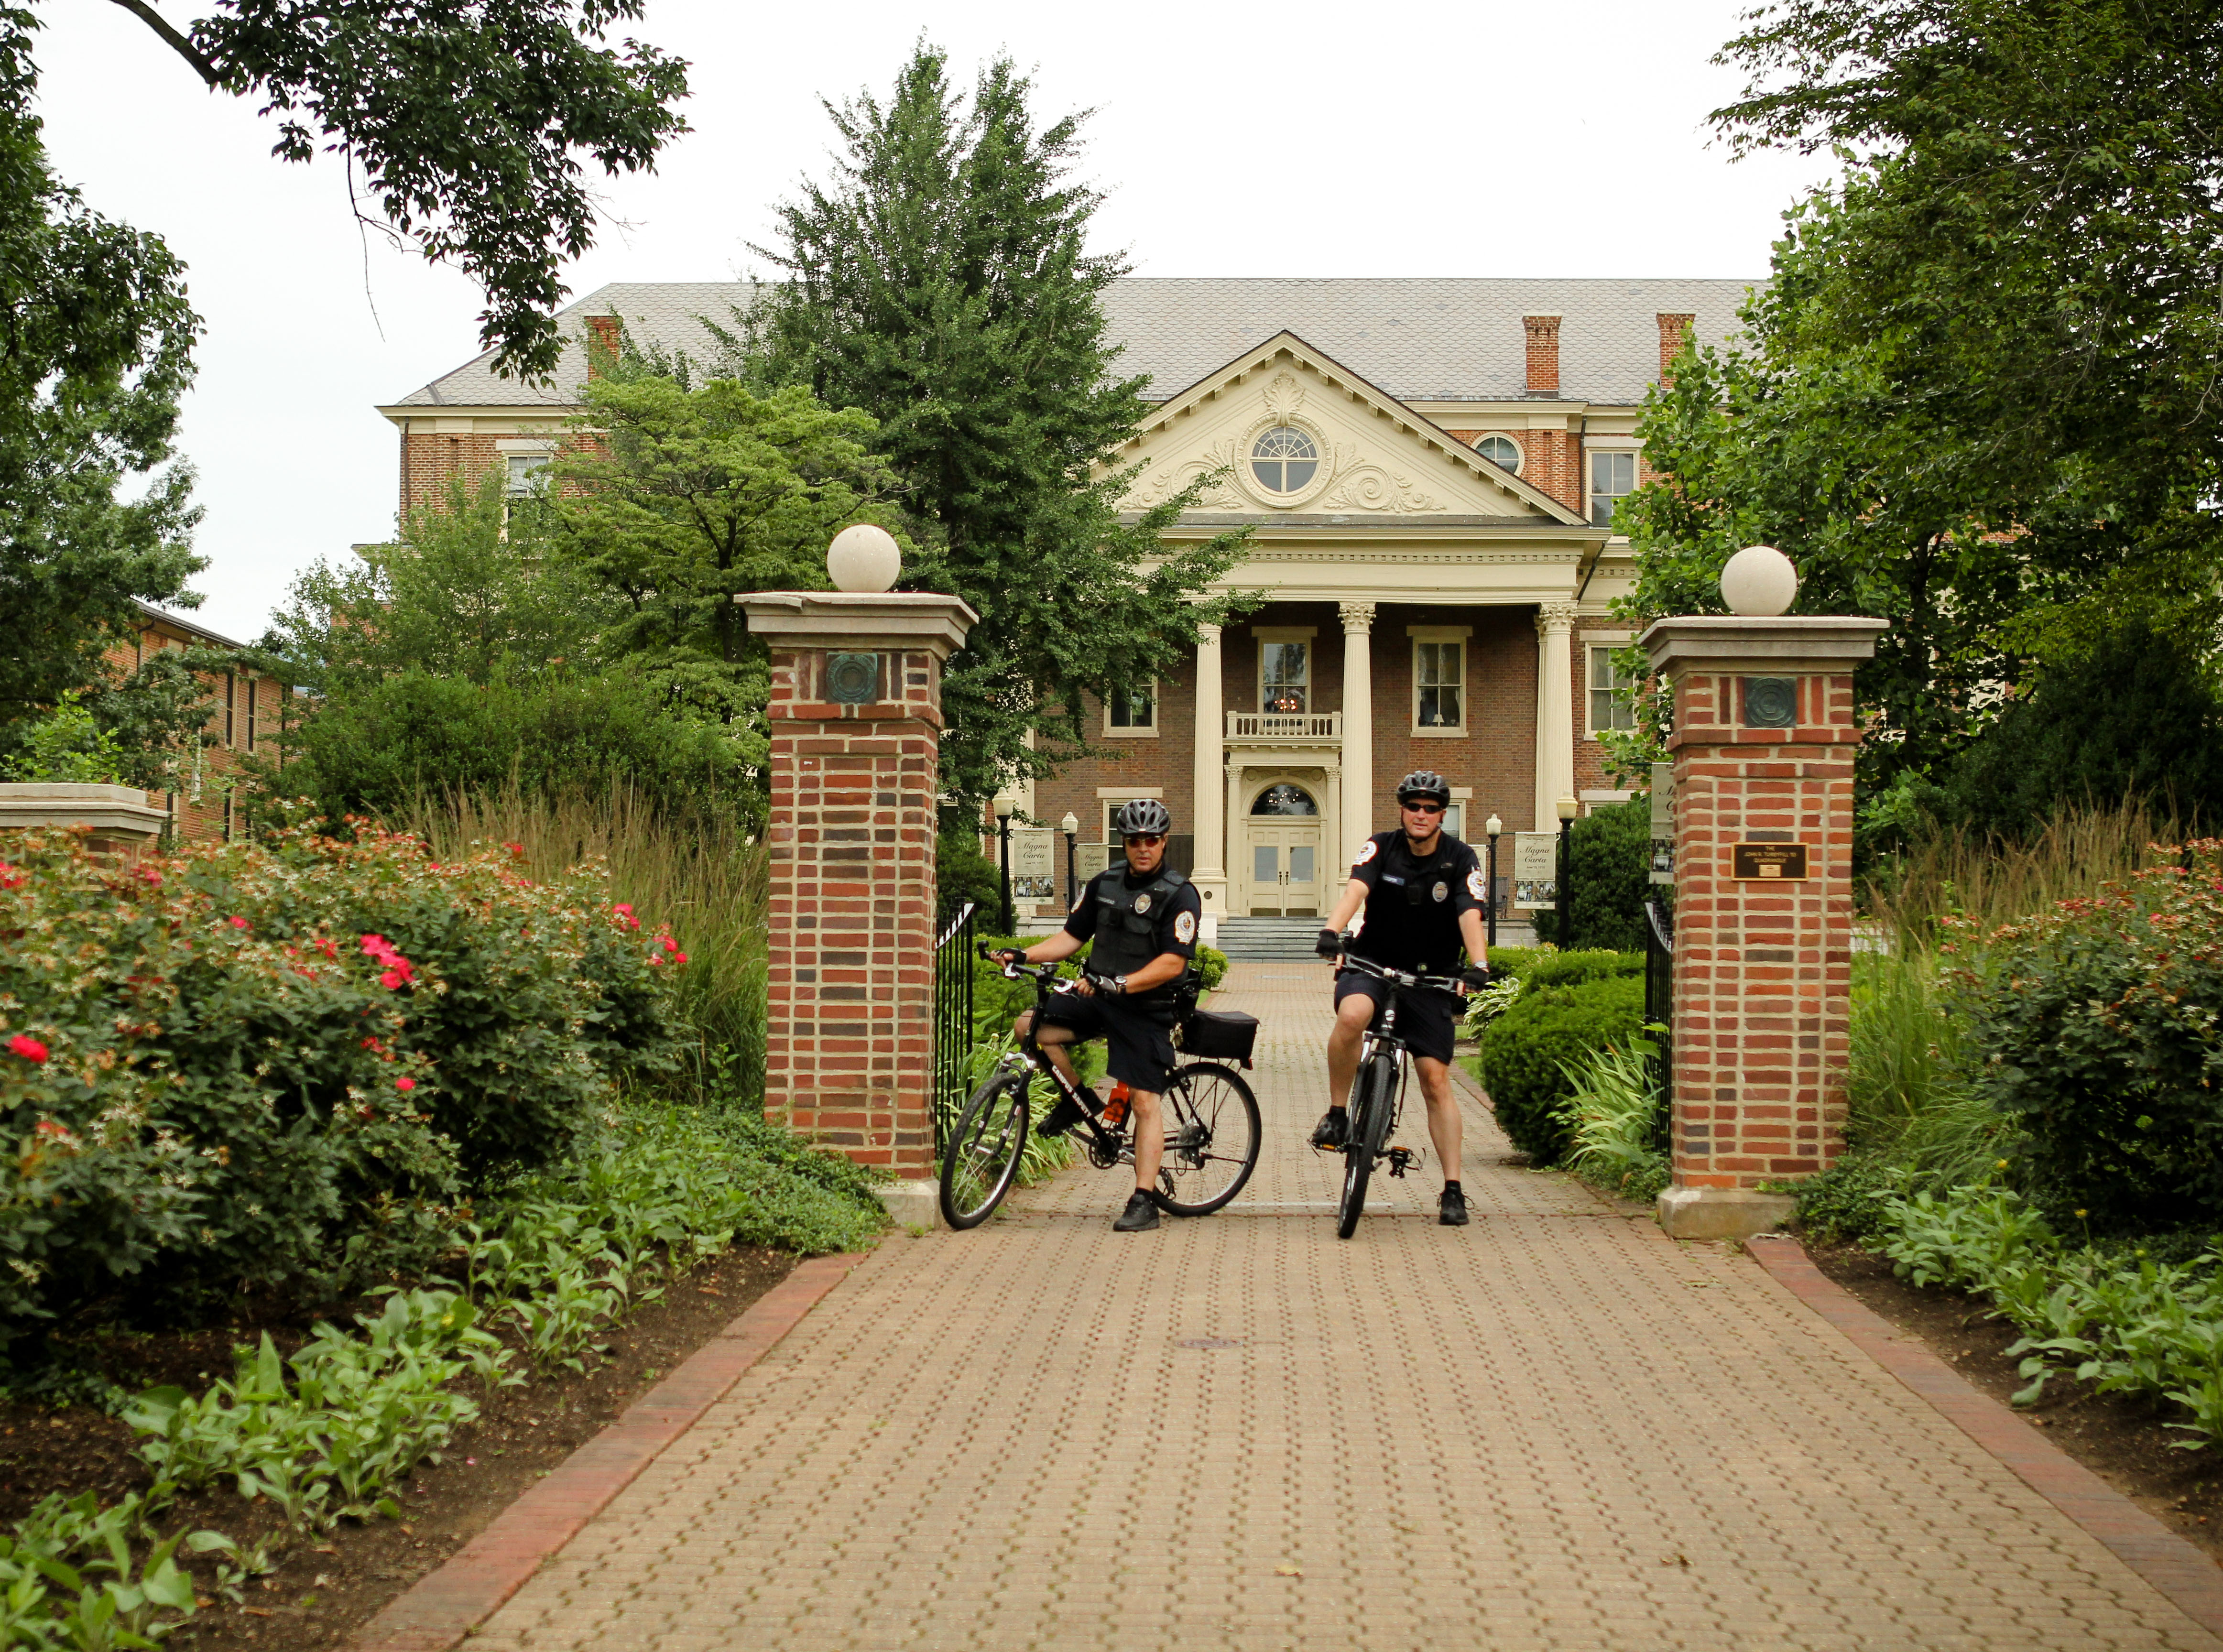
x,y
1413,904
1172,917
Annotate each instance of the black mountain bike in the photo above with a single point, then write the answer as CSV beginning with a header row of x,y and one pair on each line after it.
x,y
1377,1093
1211,1122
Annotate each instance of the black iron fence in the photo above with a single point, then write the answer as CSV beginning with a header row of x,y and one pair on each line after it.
x,y
1659,1011
952,1021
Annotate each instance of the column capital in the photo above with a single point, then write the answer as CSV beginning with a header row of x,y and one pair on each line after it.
x,y
1554,615
1207,636
1358,617
1234,770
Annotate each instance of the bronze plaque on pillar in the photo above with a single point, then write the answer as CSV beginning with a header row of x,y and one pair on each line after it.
x,y
1771,863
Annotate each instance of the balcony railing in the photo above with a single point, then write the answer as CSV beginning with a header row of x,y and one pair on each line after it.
x,y
1293,728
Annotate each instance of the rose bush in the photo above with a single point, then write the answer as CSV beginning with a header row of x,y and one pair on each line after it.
x,y
280,1064
2094,1028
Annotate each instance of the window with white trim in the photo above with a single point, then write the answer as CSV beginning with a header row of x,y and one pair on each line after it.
x,y
1285,677
1613,692
1500,450
1284,459
527,476
1613,478
1438,684
1132,711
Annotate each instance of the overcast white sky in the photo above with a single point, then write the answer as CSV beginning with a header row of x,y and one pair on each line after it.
x,y
1297,140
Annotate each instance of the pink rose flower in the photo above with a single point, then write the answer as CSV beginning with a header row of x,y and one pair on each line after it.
x,y
405,1083
238,923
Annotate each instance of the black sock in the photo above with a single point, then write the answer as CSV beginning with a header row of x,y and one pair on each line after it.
x,y
1453,1187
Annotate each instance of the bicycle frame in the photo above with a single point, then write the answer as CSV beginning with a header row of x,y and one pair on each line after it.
x,y
1106,1147
1383,1040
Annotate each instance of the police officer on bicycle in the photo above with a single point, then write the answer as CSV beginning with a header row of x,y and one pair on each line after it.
x,y
1143,917
1423,893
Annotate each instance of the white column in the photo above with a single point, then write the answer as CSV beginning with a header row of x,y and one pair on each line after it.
x,y
1358,727
1210,826
1555,711
1239,869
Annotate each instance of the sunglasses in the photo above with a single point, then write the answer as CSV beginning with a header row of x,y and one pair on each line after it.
x,y
1424,808
1147,838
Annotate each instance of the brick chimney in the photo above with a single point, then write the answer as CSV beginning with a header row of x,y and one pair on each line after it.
x,y
1673,331
602,335
1543,354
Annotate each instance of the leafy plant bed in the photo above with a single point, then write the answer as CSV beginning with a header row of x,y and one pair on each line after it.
x,y
323,1587
2120,1438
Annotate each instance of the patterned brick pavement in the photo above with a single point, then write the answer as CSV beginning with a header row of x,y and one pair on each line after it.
x,y
1553,1429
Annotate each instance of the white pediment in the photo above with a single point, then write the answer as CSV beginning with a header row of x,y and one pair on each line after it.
x,y
1353,451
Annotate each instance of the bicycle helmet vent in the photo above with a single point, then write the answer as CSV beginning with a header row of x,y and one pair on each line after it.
x,y
1425,782
1145,817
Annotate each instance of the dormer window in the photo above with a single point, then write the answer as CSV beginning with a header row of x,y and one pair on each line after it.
x,y
1284,460
1502,451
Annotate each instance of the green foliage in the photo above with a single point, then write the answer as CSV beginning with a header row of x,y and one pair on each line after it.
x,y
1551,969
939,282
2094,1028
74,1575
2131,1325
1908,1093
1526,1051
277,1065
962,873
1611,1119
1211,967
2138,717
1844,1204
1609,856
67,746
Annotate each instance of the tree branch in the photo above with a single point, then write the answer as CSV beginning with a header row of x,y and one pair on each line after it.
x,y
177,42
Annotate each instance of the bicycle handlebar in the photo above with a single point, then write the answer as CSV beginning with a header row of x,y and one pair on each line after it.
x,y
1019,969
1404,978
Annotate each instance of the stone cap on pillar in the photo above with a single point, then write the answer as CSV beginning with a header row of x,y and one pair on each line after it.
x,y
892,619
1761,643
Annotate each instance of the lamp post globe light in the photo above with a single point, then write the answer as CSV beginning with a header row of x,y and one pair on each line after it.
x,y
1570,806
1071,827
1493,826
1003,862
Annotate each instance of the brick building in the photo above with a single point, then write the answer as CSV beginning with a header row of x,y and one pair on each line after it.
x,y
1429,467
246,713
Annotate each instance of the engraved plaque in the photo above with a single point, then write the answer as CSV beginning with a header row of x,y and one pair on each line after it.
x,y
1770,703
1768,863
853,679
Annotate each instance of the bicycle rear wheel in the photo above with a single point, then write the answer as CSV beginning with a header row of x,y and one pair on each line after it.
x,y
1212,1138
982,1159
1371,1094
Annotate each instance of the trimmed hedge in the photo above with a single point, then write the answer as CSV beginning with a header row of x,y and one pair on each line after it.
x,y
1523,1051
1609,879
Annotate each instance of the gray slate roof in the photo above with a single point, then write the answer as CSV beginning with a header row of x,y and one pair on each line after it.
x,y
1418,339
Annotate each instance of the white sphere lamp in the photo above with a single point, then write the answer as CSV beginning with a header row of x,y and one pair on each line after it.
x,y
863,558
1758,581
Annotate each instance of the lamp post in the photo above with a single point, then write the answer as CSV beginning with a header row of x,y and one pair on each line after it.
x,y
1569,805
1493,826
1004,860
1071,827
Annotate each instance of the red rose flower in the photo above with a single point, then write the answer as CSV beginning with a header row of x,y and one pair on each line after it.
x,y
238,923
405,1083
28,1047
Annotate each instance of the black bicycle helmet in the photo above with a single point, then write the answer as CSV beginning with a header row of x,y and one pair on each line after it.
x,y
1145,817
1425,782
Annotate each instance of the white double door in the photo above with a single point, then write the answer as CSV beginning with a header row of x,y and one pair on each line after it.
x,y
1285,865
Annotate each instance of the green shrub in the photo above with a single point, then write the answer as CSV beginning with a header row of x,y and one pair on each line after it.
x,y
1573,968
1211,968
1844,1204
1609,879
1611,1119
1526,1053
962,873
2094,1028
278,1065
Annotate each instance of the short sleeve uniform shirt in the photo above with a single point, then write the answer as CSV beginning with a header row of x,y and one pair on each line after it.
x,y
1413,903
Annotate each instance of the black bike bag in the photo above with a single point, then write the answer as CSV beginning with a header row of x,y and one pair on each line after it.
x,y
1217,1035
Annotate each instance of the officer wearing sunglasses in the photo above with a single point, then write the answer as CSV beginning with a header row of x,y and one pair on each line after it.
x,y
1423,894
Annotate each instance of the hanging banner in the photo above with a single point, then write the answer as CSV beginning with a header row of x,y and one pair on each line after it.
x,y
1663,823
1034,863
1535,869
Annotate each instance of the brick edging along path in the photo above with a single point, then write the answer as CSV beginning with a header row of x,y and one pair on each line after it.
x,y
2180,1570
442,1608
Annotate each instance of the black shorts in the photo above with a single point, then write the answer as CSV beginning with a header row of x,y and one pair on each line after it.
x,y
1427,1022
1139,1041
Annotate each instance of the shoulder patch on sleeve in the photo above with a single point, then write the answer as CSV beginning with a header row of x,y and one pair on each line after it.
x,y
1184,927
1474,885
1367,852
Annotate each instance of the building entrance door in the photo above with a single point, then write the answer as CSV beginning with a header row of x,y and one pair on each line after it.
x,y
1285,841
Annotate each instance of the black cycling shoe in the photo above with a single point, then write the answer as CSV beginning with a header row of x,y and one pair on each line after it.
x,y
1140,1215
1068,1113
1334,1128
1451,1213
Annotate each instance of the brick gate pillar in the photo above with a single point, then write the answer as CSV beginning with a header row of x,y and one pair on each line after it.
x,y
855,713
1762,750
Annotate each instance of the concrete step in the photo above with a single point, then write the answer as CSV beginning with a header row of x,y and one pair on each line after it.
x,y
1267,939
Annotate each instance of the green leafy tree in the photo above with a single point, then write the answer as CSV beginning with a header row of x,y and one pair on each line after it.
x,y
939,281
469,123
675,499
1609,881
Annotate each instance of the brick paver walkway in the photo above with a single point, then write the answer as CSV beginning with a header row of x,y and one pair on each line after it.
x,y
1549,1429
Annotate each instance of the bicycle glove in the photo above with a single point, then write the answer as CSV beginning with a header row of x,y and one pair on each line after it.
x,y
1330,943
1476,975
1111,986
1009,955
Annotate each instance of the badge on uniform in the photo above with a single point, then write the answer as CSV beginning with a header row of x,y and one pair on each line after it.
x,y
1442,891
1185,928
1143,903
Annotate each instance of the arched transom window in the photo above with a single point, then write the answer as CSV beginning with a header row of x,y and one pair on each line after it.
x,y
1284,459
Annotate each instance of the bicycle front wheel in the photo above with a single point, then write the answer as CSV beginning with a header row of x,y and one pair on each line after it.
x,y
982,1159
1370,1098
1212,1138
